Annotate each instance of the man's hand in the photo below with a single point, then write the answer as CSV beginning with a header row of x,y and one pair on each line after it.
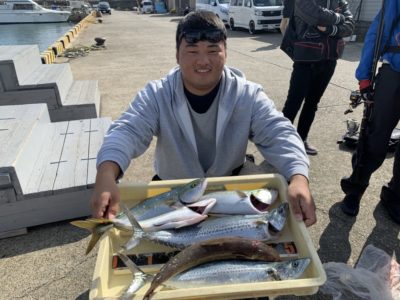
x,y
301,200
366,90
105,197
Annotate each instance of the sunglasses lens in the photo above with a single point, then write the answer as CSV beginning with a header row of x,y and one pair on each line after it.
x,y
192,37
214,36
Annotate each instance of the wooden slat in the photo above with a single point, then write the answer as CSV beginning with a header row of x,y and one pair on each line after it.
x,y
44,172
72,172
99,128
42,210
16,123
82,92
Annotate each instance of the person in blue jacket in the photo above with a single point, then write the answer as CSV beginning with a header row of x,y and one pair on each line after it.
x,y
384,116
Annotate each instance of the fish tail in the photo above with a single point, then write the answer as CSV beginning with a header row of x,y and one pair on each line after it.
x,y
140,278
97,227
137,230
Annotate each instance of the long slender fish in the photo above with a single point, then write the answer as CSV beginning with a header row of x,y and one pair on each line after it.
x,y
238,271
149,208
245,202
263,227
202,252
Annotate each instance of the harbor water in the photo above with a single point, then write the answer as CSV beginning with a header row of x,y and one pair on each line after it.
x,y
43,34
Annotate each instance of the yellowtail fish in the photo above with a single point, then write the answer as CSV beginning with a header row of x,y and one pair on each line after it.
x,y
168,201
149,208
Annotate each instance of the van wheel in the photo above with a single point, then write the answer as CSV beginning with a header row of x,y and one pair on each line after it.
x,y
232,24
252,28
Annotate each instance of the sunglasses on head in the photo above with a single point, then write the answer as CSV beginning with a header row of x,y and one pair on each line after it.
x,y
212,36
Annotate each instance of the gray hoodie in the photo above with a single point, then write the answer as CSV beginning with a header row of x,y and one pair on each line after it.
x,y
244,113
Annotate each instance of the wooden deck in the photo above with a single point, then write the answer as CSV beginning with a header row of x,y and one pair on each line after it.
x,y
24,80
47,169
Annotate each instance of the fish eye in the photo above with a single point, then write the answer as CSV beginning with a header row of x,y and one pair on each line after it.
x,y
295,264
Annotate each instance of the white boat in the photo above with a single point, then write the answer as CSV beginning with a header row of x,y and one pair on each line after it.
x,y
28,11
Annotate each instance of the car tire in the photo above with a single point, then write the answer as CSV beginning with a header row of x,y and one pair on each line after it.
x,y
252,28
232,24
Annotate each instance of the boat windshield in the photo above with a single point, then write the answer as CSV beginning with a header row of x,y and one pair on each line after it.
x,y
23,6
267,2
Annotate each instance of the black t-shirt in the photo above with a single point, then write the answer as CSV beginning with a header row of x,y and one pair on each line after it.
x,y
201,104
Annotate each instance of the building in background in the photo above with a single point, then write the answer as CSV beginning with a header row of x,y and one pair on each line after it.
x,y
364,12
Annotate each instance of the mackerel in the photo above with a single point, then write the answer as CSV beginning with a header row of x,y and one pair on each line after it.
x,y
263,227
238,271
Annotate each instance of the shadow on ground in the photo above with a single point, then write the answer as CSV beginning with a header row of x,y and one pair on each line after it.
x,y
41,237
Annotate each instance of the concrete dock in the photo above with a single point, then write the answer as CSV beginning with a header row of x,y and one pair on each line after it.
x,y
49,262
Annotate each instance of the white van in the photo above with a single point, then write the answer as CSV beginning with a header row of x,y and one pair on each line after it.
x,y
255,14
147,7
219,7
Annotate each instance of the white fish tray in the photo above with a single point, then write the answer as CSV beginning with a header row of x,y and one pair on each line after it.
x,y
109,282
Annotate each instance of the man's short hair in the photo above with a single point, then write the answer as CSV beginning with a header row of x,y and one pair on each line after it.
x,y
199,21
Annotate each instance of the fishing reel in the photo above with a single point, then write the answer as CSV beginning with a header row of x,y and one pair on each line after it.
x,y
355,100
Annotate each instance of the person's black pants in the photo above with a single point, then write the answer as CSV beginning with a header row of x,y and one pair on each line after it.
x,y
384,117
308,82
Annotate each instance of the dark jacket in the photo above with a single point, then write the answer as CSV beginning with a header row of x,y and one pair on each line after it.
x,y
313,43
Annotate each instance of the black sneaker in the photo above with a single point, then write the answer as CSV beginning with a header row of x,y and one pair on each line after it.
x,y
391,203
310,150
351,204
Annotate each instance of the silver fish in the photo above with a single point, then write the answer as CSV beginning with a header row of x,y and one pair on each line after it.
x,y
151,207
168,201
243,202
238,271
186,215
263,227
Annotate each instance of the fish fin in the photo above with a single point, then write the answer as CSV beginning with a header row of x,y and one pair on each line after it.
x,y
261,222
90,223
84,224
140,278
93,241
137,231
97,227
134,268
241,194
135,224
